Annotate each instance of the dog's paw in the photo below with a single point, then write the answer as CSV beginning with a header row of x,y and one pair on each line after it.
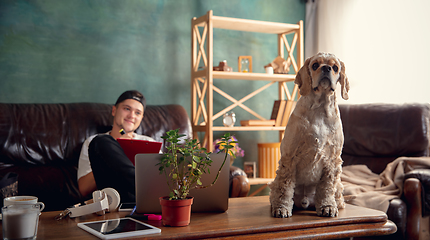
x,y
281,212
340,203
327,211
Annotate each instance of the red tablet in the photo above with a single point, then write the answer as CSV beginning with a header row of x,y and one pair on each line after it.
x,y
132,147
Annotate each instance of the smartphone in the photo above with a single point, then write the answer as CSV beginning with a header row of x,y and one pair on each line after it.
x,y
126,207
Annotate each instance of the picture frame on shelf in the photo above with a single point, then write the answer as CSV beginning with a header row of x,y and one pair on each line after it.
x,y
244,64
250,169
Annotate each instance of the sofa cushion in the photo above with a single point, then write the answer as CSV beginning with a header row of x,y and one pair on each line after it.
x,y
376,134
39,134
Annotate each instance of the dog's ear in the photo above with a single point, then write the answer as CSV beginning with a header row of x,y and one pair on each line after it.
x,y
303,79
344,83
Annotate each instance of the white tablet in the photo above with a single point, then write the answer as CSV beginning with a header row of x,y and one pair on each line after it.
x,y
118,228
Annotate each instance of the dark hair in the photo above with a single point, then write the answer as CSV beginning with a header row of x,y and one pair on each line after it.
x,y
132,94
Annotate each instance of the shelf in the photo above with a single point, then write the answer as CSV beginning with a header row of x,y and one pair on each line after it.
x,y
258,181
249,25
254,76
241,128
250,128
247,76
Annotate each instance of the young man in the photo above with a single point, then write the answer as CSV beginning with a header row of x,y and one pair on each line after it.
x,y
102,162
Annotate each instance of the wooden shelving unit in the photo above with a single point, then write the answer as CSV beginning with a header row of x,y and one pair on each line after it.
x,y
202,80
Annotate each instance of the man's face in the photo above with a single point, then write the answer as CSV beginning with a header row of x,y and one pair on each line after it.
x,y
127,115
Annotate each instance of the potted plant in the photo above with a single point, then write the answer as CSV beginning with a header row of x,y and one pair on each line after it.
x,y
183,165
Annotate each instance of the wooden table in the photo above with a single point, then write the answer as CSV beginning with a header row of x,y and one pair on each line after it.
x,y
246,218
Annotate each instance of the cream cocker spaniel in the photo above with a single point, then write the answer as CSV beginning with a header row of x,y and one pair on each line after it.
x,y
310,165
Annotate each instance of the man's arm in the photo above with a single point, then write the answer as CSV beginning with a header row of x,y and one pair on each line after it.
x,y
87,184
86,181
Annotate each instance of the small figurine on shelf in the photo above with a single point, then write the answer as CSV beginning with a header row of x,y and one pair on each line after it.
x,y
223,67
279,65
269,69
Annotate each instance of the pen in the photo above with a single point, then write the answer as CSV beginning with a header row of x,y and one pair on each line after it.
x,y
151,217
134,210
122,131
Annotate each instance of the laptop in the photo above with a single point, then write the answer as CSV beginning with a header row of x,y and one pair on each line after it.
x,y
132,147
151,185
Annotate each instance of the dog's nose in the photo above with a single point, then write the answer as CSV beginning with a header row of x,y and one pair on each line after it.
x,y
326,69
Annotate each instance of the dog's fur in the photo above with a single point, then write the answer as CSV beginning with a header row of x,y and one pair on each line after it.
x,y
310,165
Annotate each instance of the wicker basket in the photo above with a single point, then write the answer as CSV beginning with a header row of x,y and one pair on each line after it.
x,y
268,157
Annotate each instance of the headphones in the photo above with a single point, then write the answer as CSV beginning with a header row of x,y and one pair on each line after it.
x,y
106,200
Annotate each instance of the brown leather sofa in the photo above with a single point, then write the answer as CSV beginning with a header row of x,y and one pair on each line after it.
x,y
42,143
377,134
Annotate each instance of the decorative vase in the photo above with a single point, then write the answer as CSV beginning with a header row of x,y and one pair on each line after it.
x,y
176,213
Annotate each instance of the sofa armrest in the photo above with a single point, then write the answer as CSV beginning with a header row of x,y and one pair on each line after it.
x,y
239,184
416,189
412,192
423,175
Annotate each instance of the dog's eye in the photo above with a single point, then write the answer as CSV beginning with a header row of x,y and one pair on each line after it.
x,y
335,68
315,66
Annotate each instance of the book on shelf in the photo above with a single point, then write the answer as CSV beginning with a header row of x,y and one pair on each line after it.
x,y
280,115
278,111
255,122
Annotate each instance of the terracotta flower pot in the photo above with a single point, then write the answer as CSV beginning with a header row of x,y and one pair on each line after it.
x,y
176,213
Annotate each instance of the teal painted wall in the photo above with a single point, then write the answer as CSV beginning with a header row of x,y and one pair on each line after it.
x,y
60,51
